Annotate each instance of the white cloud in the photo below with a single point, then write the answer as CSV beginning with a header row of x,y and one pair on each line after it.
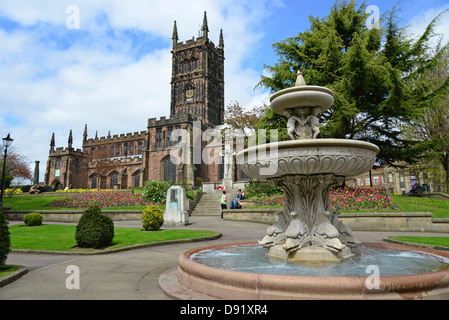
x,y
419,23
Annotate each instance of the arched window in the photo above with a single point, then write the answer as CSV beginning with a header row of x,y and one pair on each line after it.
x,y
136,178
169,169
113,180
93,181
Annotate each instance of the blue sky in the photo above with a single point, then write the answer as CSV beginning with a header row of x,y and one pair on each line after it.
x,y
113,72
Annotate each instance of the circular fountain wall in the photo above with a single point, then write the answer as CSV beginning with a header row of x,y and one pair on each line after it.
x,y
225,283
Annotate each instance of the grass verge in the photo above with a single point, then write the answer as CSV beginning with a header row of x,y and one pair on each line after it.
x,y
5,270
54,237
434,241
439,208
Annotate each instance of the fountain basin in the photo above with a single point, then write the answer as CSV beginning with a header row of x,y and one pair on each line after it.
x,y
236,285
306,157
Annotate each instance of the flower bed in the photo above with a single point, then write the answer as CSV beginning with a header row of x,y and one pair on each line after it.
x,y
273,200
81,190
103,199
364,198
346,199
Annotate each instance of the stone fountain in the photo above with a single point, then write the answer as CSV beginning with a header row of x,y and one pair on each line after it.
x,y
307,236
306,168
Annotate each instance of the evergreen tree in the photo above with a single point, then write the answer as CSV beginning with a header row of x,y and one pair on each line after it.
x,y
5,241
374,73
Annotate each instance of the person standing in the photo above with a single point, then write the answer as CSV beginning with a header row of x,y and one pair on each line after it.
x,y
224,203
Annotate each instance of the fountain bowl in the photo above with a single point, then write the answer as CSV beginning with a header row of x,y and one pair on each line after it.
x,y
340,157
205,282
300,97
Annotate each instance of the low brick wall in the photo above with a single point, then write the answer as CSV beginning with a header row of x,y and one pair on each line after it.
x,y
369,221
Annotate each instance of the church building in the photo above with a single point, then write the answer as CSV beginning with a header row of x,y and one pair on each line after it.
x,y
128,160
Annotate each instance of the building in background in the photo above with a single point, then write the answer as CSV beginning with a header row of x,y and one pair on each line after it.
x,y
128,160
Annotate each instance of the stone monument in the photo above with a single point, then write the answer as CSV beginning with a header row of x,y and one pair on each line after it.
x,y
176,207
36,172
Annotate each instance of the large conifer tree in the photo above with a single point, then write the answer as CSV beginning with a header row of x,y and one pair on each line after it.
x,y
374,72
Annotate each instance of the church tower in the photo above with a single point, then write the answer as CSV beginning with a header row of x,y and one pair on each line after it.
x,y
197,85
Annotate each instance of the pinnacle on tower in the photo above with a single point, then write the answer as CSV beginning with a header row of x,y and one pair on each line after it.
x,y
70,140
205,26
85,133
221,42
52,142
175,35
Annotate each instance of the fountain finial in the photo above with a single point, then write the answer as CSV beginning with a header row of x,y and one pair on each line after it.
x,y
299,79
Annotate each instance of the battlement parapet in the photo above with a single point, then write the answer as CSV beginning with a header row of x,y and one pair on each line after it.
x,y
174,119
115,139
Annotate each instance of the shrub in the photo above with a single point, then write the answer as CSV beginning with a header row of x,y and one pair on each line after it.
x,y
260,189
5,241
33,219
94,229
152,218
11,191
191,194
155,191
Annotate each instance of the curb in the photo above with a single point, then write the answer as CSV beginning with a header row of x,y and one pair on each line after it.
x,y
137,246
13,276
417,245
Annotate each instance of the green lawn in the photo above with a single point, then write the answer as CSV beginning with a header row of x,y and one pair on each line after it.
x,y
30,202
5,270
62,237
436,241
439,208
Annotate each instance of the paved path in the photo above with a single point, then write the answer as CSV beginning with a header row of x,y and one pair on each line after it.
x,y
130,274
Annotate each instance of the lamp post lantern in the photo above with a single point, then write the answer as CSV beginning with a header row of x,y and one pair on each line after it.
x,y
6,143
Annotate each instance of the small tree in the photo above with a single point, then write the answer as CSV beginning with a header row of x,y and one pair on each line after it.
x,y
5,241
17,166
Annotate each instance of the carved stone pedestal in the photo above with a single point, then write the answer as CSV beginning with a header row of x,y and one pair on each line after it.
x,y
310,255
308,230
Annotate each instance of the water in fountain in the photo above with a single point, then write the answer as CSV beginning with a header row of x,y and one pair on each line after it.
x,y
252,258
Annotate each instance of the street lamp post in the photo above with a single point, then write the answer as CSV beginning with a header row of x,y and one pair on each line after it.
x,y
6,143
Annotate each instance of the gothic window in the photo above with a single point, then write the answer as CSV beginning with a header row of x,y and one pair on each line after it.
x,y
58,163
117,150
169,136
136,178
178,134
189,65
139,147
93,181
169,170
159,138
131,149
113,180
125,149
